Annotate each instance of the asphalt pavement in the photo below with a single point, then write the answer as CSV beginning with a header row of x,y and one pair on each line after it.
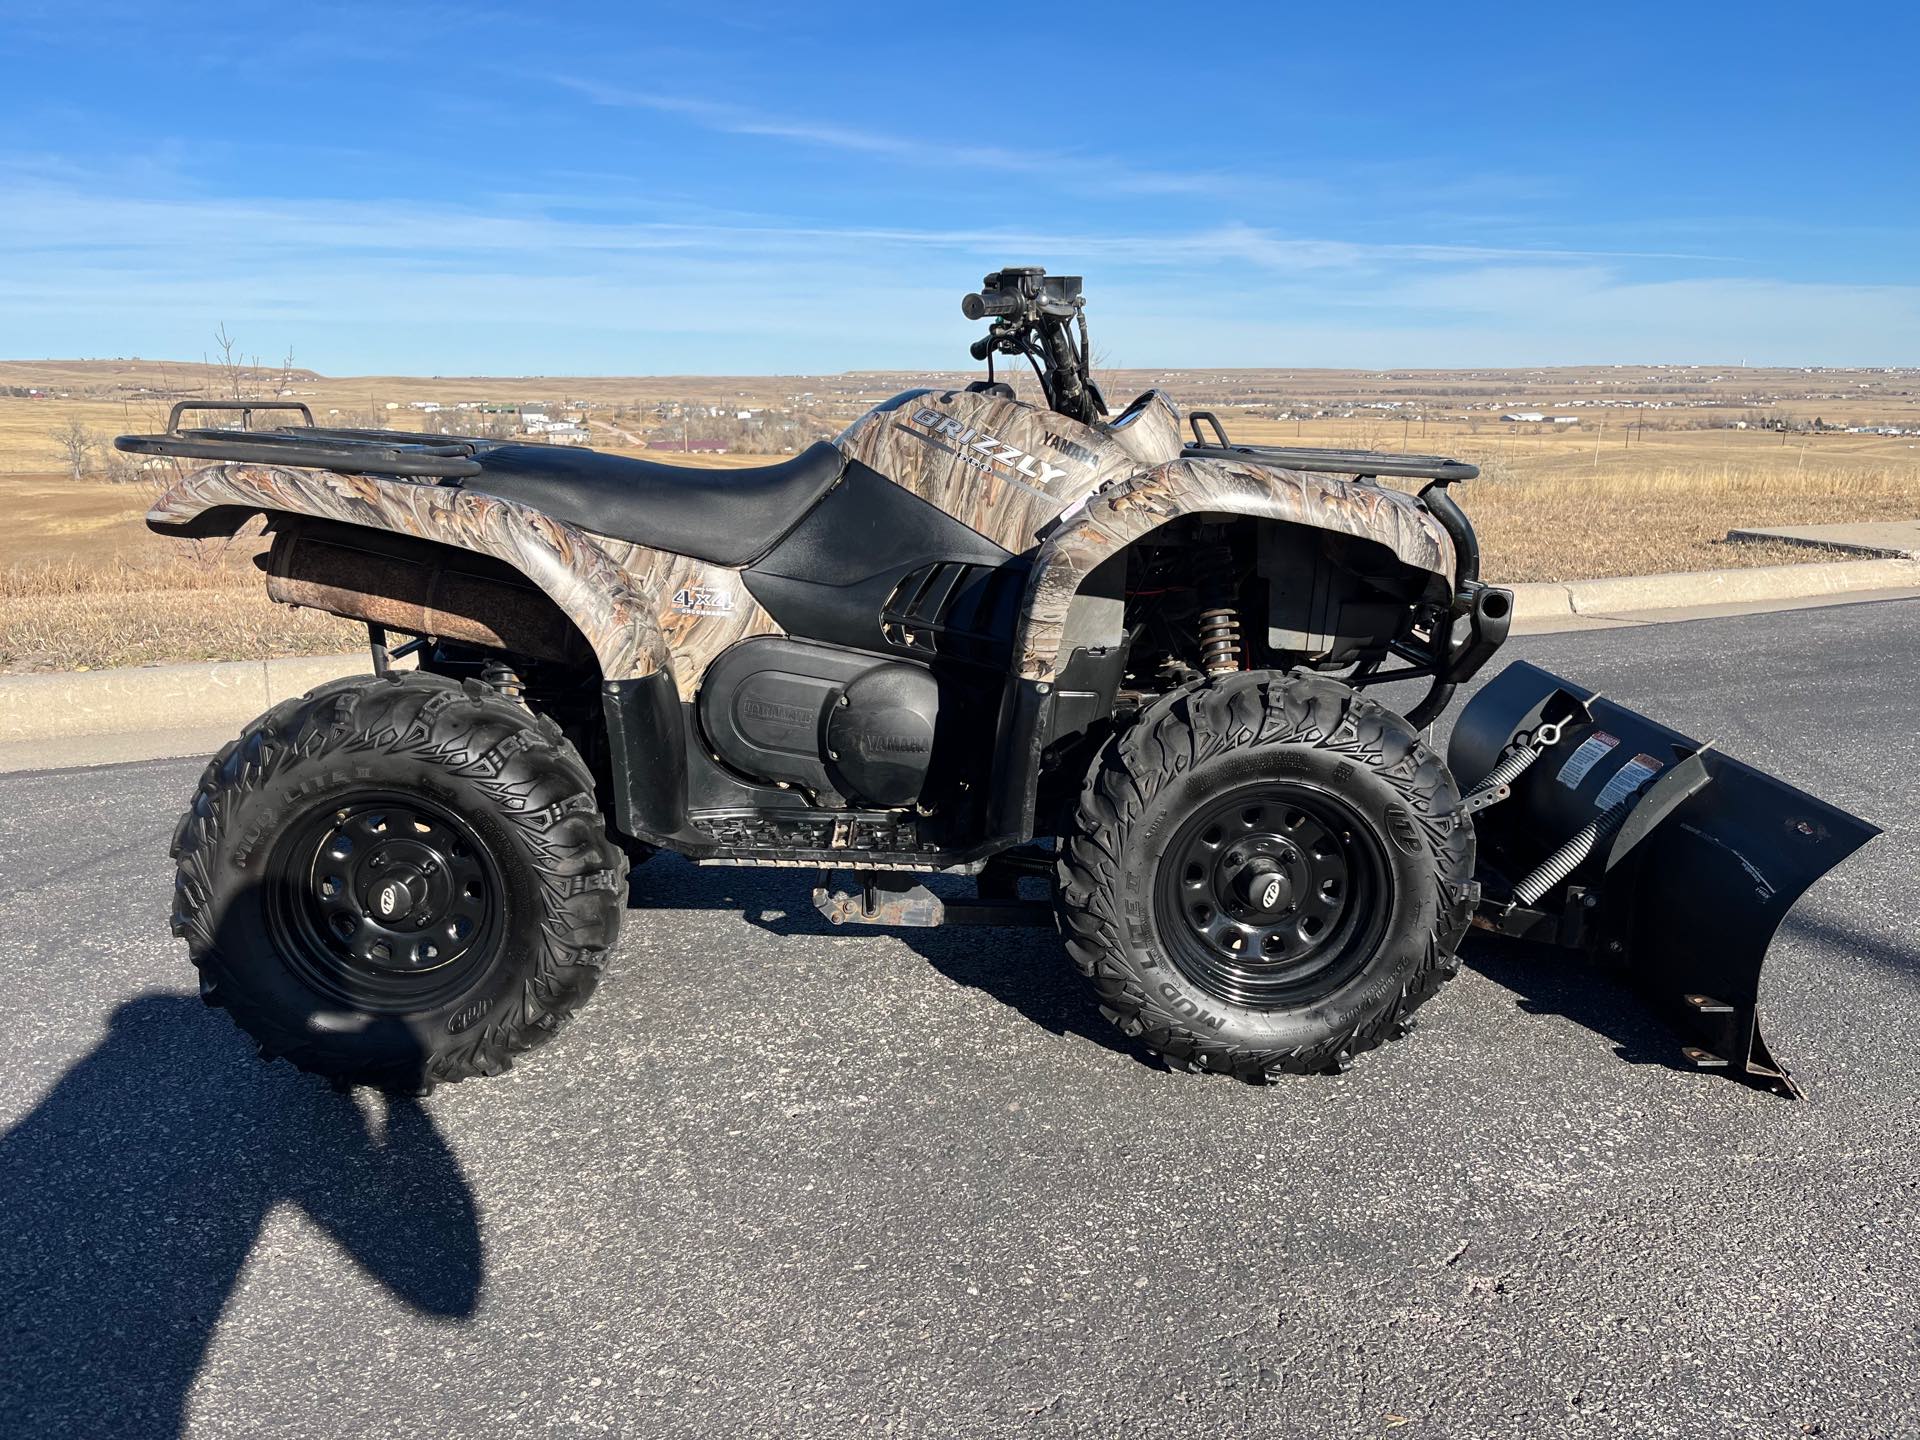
x,y
785,1180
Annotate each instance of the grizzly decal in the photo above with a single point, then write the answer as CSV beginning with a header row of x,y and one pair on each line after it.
x,y
982,450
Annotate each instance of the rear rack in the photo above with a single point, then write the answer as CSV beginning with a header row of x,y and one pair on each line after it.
x,y
1342,462
309,446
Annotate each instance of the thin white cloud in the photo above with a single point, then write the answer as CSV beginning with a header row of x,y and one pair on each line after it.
x,y
1073,171
428,287
59,218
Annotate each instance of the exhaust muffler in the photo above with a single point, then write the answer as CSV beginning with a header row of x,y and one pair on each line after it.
x,y
1603,831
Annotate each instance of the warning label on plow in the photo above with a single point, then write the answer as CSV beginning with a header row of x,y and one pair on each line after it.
x,y
1589,754
1627,779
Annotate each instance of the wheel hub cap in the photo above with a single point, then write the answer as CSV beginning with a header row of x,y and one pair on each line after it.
x,y
1265,891
392,899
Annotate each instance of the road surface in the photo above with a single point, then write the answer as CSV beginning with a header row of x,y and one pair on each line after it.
x,y
784,1180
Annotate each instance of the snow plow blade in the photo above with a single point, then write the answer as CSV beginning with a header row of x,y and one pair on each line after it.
x,y
1601,830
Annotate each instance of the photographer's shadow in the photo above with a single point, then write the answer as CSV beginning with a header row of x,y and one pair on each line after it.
x,y
1022,968
132,1193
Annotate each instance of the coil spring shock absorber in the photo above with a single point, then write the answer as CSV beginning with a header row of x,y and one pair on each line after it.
x,y
504,678
1219,621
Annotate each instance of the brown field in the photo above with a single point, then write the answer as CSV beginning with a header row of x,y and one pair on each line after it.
x,y
1649,480
1579,503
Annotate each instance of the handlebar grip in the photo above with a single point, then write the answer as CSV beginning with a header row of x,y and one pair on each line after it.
x,y
979,307
981,348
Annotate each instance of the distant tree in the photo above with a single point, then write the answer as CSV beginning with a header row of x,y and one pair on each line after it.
x,y
232,368
76,443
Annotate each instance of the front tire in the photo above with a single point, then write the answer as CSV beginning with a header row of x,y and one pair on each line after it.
x,y
1265,875
397,881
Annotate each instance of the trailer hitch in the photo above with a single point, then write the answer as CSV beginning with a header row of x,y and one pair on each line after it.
x,y
1641,846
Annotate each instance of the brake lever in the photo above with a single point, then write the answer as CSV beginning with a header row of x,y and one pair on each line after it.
x,y
1003,337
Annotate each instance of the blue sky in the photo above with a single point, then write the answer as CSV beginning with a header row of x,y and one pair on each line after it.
x,y
762,187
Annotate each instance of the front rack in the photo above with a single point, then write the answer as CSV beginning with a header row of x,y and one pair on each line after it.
x,y
1342,462
310,446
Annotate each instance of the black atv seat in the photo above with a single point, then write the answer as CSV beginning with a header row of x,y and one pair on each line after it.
x,y
725,516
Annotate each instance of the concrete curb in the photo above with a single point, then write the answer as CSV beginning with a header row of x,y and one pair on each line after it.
x,y
1636,594
224,695
210,694
1541,600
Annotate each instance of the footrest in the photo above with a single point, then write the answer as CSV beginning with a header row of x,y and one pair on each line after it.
x,y
874,901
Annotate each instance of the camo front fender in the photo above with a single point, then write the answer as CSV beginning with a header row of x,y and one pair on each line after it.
x,y
1109,521
617,616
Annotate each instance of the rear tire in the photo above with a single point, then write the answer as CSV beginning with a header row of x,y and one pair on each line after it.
x,y
397,881
1266,875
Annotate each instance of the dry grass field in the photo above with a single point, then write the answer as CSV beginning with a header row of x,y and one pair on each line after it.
x,y
1649,480
147,607
1578,503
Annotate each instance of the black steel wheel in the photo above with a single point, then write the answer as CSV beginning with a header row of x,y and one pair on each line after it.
x,y
1265,873
1272,894
398,881
385,901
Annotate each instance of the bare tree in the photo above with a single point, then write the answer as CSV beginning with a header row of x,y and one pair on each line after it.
x,y
232,371
76,443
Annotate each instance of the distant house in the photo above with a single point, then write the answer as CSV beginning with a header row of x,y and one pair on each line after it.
x,y
1524,417
1566,419
563,432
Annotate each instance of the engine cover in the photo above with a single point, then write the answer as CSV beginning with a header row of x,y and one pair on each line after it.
x,y
841,725
880,734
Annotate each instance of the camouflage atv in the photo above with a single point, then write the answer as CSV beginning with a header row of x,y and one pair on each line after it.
x,y
973,635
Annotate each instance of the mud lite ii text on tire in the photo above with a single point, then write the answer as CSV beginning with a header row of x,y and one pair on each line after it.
x,y
977,634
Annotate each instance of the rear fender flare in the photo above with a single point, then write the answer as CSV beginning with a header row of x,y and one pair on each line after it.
x,y
617,618
1117,517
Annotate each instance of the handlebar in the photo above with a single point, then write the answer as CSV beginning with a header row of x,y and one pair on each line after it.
x,y
979,307
1032,313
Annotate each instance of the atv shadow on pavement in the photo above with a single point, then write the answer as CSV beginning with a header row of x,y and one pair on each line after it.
x,y
1545,981
1024,969
132,1194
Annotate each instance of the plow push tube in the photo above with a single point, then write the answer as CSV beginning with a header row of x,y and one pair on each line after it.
x,y
1633,842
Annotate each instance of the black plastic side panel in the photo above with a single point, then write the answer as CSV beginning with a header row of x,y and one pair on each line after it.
x,y
647,754
1026,719
832,576
1084,691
